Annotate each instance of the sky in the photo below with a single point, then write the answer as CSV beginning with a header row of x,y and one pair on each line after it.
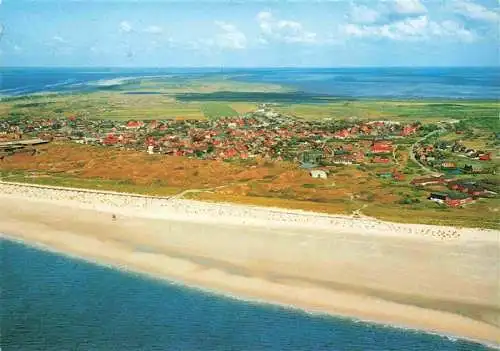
x,y
251,33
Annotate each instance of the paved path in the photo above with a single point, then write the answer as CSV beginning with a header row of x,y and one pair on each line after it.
x,y
190,191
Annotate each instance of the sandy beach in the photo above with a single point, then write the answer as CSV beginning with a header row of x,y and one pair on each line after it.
x,y
439,279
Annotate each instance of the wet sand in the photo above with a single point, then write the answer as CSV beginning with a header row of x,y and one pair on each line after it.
x,y
409,279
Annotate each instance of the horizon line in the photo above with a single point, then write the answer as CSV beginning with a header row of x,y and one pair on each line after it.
x,y
256,67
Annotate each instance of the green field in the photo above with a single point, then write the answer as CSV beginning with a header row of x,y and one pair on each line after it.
x,y
424,111
216,110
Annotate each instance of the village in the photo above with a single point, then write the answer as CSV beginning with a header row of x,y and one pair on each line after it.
x,y
314,146
263,133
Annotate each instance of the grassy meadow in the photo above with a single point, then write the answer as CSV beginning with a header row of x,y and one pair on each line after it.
x,y
423,111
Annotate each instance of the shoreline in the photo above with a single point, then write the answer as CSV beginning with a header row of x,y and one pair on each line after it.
x,y
239,298
301,261
164,207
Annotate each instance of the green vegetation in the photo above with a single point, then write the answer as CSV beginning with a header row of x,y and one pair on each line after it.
x,y
483,112
214,110
124,186
491,123
257,97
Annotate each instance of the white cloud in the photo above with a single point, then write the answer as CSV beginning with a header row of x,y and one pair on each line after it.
x,y
59,45
283,30
363,14
416,28
58,39
153,30
475,11
409,7
231,37
385,11
264,16
125,27
452,29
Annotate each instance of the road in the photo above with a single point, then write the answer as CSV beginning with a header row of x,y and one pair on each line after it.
x,y
189,191
412,148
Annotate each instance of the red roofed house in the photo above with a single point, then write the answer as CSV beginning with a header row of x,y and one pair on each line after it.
x,y
344,133
408,130
455,202
485,157
134,124
380,147
110,139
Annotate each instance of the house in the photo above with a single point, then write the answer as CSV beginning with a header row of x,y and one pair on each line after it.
x,y
470,188
342,160
408,130
134,124
452,200
438,197
318,173
455,200
428,181
344,133
485,157
380,147
448,165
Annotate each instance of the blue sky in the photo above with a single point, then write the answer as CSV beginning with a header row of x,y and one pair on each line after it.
x,y
252,33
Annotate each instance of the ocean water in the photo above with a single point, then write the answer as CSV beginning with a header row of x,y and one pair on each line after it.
x,y
51,302
401,83
27,80
405,82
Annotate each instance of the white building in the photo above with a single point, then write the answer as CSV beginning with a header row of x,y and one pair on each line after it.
x,y
318,173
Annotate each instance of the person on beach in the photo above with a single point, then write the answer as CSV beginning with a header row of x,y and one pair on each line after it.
x,y
113,217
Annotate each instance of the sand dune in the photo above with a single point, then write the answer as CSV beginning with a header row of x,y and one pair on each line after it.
x,y
440,279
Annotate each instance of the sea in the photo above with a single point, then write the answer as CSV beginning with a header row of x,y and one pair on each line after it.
x,y
474,83
54,302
